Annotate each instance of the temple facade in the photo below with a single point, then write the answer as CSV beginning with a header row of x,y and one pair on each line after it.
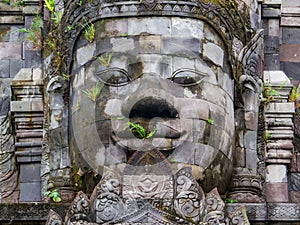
x,y
149,112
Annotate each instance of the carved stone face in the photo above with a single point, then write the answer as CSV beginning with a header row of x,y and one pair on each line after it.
x,y
168,75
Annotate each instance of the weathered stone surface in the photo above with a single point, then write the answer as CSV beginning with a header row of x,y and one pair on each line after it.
x,y
4,68
187,28
290,21
272,62
290,35
8,19
30,192
10,50
277,192
148,26
213,53
271,45
276,173
273,29
271,12
30,173
290,53
275,77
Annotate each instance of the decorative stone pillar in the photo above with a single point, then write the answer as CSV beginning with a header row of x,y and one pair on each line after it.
x,y
27,110
246,182
57,150
271,13
8,172
278,117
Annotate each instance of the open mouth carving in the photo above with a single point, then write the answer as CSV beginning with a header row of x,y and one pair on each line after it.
x,y
156,117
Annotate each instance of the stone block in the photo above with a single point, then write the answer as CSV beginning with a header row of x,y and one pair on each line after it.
x,y
273,28
276,173
272,2
280,107
187,28
215,95
290,35
250,139
251,120
291,69
32,58
15,67
290,4
4,68
115,27
295,196
290,21
148,26
184,153
179,46
271,12
150,44
213,53
251,159
280,144
275,77
30,172
12,19
30,192
85,53
290,53
27,106
10,50
204,155
240,157
277,192
122,44
4,106
271,45
192,108
272,62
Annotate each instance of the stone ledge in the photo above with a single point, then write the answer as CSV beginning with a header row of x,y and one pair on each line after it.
x,y
30,211
281,212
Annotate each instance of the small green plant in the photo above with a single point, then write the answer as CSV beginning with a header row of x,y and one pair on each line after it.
x,y
54,195
140,130
124,35
267,136
50,5
34,32
268,93
57,17
80,3
294,96
66,76
229,200
89,32
17,3
94,92
105,59
210,121
70,28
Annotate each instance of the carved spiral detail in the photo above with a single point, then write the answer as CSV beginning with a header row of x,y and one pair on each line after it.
x,y
187,204
109,207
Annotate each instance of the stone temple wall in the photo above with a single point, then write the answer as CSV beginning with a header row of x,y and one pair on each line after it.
x,y
245,120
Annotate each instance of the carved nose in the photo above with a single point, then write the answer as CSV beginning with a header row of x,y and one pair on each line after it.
x,y
151,107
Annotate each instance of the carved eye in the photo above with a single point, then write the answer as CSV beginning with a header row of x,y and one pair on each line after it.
x,y
187,77
113,77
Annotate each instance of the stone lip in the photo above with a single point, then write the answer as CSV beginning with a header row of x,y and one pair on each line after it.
x,y
168,135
